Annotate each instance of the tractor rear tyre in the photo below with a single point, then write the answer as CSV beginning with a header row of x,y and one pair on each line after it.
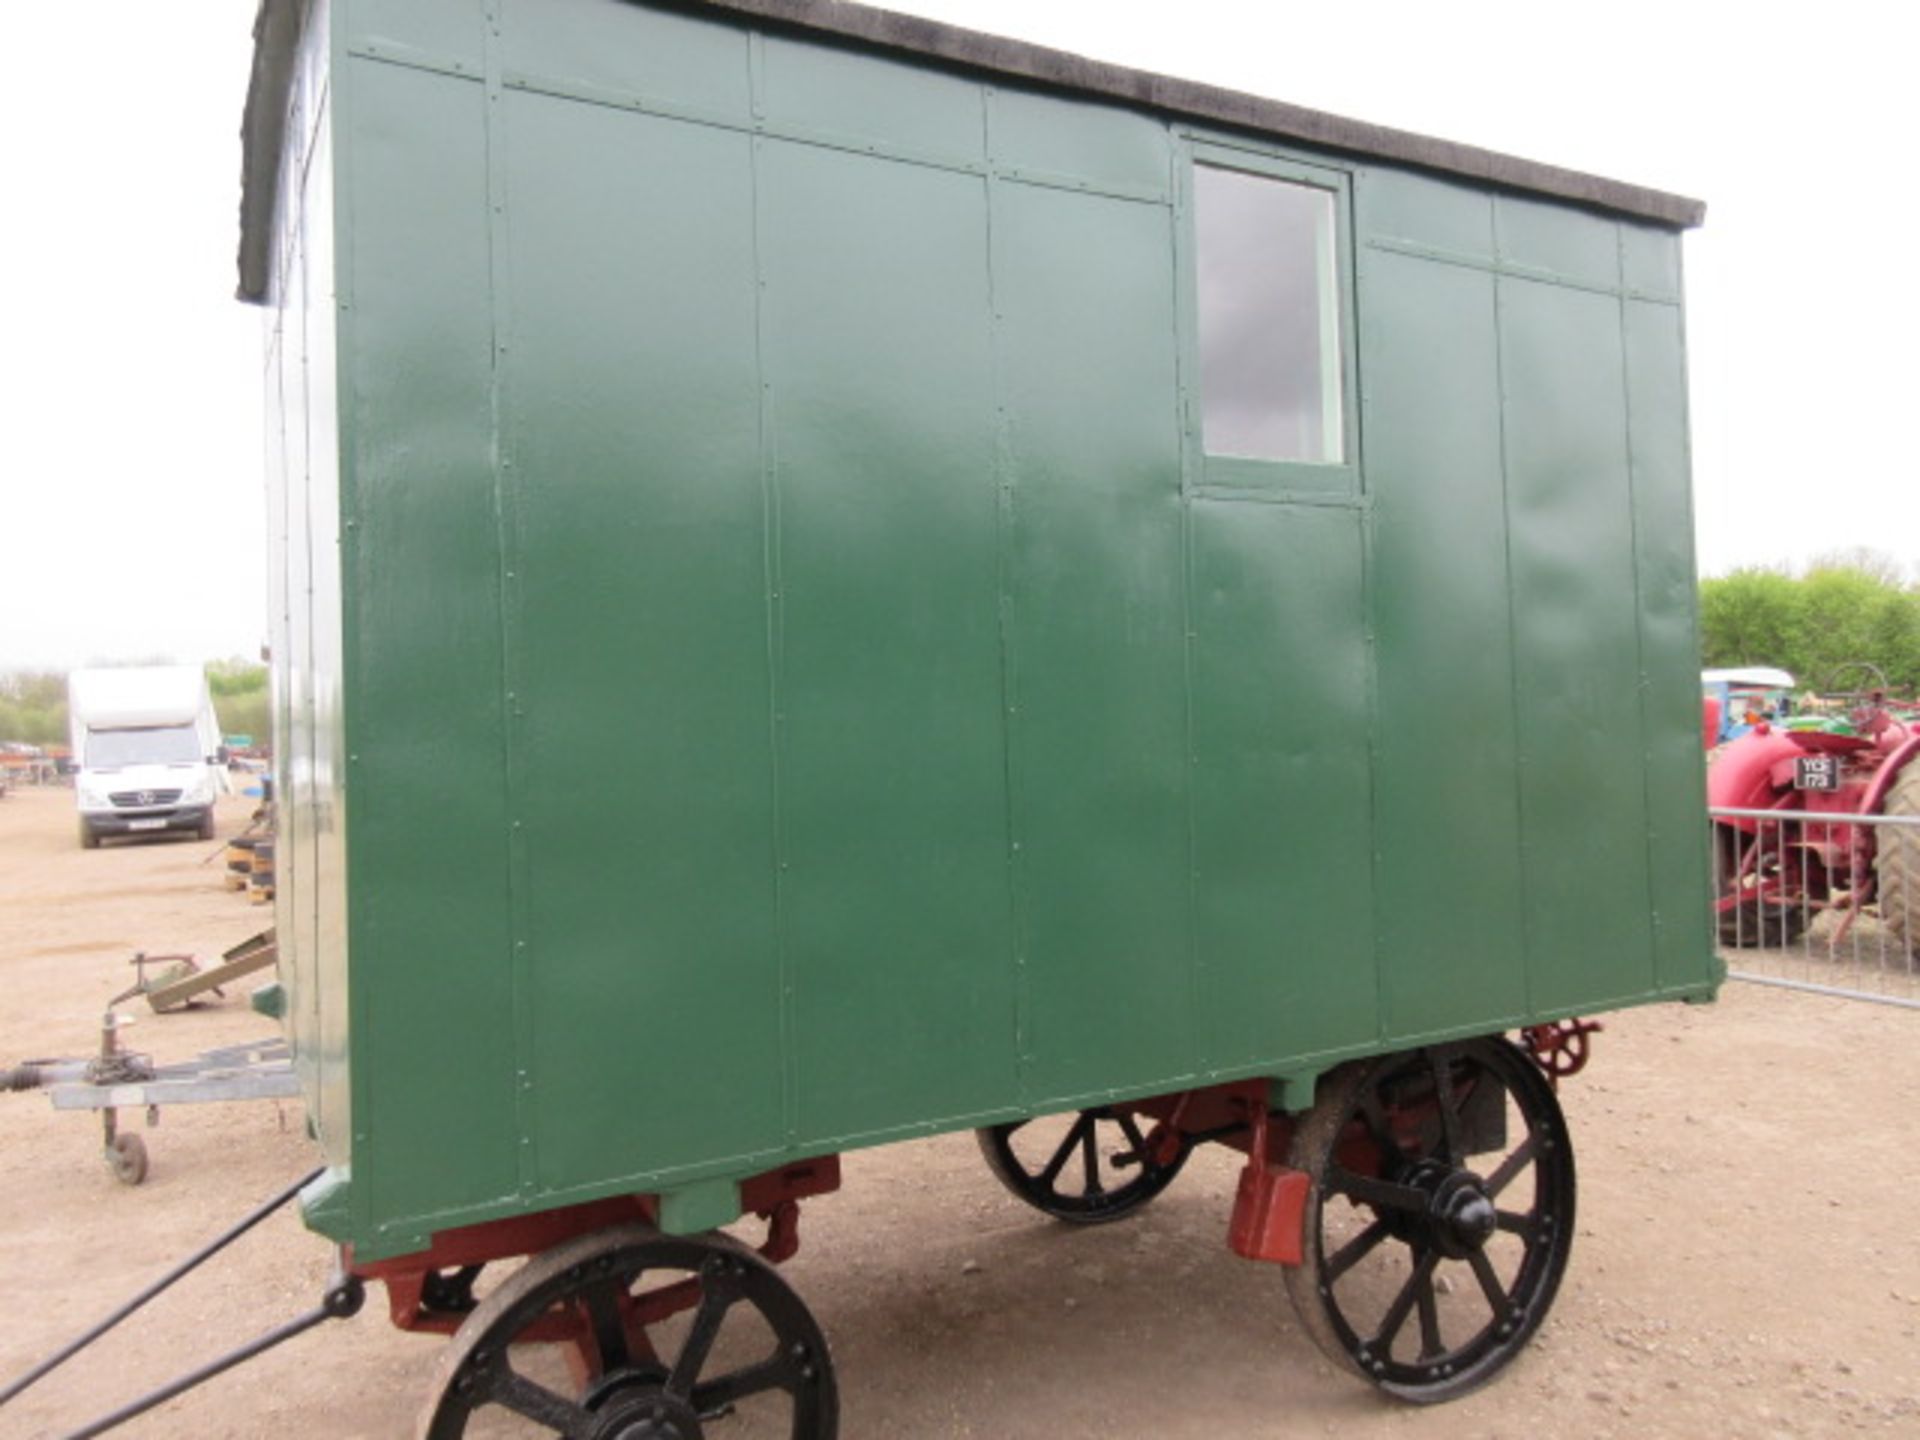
x,y
1755,924
1898,860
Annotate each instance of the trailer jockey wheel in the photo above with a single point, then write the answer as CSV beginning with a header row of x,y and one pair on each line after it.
x,y
1440,1216
127,1158
1099,1167
646,1337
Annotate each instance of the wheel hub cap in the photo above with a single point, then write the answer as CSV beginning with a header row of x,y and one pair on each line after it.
x,y
1461,1218
656,1416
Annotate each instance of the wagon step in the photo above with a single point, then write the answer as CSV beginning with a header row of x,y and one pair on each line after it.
x,y
343,1298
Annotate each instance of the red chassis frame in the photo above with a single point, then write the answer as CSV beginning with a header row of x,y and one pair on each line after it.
x,y
1267,1223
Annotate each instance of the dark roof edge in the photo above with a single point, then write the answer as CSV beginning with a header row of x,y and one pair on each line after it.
x,y
278,23
890,30
263,133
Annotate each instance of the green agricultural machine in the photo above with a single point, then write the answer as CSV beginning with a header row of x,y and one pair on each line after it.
x,y
838,579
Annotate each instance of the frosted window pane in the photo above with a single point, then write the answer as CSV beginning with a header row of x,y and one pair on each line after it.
x,y
1269,318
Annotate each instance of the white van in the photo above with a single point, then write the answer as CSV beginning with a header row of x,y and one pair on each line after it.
x,y
147,751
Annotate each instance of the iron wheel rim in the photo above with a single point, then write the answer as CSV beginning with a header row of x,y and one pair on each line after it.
x,y
631,1393
1440,1204
1126,1154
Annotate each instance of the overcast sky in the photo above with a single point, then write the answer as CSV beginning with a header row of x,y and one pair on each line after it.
x,y
131,520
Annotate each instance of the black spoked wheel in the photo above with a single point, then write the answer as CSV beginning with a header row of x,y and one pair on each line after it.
x,y
629,1334
1440,1217
1087,1168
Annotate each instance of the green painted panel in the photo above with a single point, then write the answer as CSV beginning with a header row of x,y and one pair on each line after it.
x,y
1669,641
449,31
826,613
330,1020
1576,646
866,98
1558,239
892,758
1098,643
1096,144
428,871
1451,943
1650,261
296,969
667,56
645,787
293,765
1419,210
1281,800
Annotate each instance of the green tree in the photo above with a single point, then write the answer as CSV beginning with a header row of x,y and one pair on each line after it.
x,y
1839,610
33,707
1875,564
1751,617
1896,639
1850,607
244,714
236,677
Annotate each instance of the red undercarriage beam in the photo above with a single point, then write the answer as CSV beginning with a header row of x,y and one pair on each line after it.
x,y
1269,1209
774,1196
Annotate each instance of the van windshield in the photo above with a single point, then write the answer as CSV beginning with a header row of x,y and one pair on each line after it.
x,y
150,745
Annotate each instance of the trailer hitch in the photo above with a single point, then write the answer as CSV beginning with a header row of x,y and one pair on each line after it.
x,y
344,1295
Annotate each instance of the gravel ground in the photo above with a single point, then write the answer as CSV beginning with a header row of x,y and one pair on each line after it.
x,y
1744,1265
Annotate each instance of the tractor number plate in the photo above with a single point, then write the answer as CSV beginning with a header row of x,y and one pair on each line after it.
x,y
1816,772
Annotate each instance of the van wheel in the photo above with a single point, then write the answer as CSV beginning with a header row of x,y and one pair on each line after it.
x,y
206,826
89,837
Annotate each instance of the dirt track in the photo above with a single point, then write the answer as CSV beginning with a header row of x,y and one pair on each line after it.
x,y
1745,1264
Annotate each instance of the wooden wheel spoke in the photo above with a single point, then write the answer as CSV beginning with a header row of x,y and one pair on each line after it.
x,y
1431,1345
700,1338
1370,1190
776,1373
608,1325
1451,1145
535,1402
1355,1250
1081,1126
1511,1167
1403,1303
1373,1116
1490,1285
1135,1139
1514,1223
1090,1158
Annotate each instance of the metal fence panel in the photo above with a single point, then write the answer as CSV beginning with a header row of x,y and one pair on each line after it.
x,y
1819,901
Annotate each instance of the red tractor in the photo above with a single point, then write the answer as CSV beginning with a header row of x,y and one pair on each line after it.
x,y
1775,874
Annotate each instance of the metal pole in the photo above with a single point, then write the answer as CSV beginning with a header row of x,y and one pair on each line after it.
x,y
1811,988
1736,812
199,1257
342,1300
